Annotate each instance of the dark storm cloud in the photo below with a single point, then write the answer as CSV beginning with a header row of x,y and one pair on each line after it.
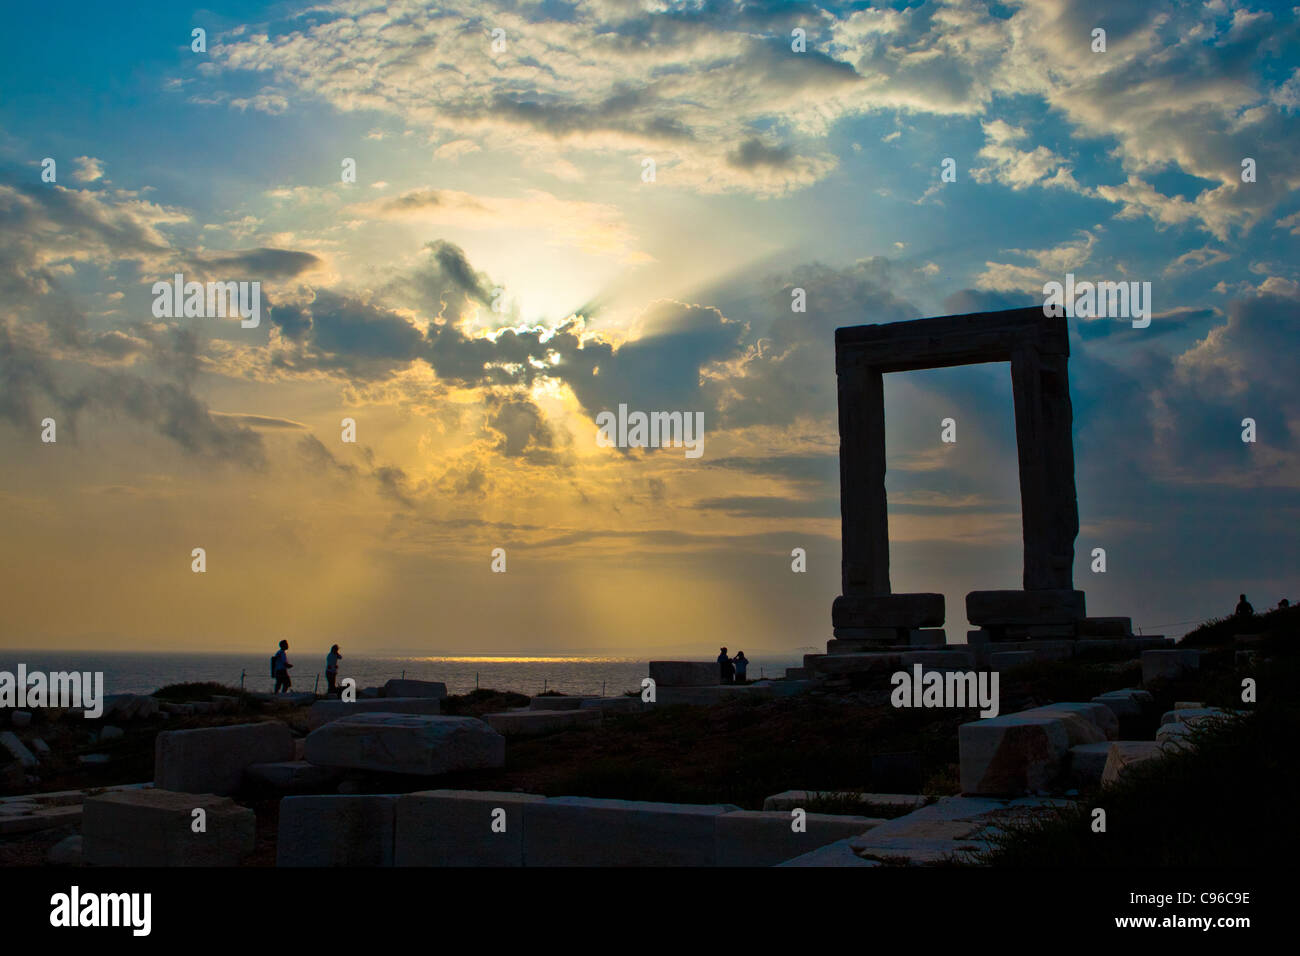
x,y
349,327
175,413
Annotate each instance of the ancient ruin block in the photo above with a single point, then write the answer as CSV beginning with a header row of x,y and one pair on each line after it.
x,y
461,828
156,828
406,743
1001,608
893,611
213,759
336,830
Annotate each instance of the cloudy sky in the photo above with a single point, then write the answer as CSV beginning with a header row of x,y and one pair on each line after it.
x,y
501,271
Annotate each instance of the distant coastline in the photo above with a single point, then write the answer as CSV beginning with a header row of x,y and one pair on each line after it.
x,y
142,672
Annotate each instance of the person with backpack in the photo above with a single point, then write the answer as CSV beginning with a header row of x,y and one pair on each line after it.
x,y
280,668
332,668
726,670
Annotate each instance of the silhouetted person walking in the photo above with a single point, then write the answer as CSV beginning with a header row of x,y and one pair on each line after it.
x,y
741,662
726,670
1243,608
280,668
332,668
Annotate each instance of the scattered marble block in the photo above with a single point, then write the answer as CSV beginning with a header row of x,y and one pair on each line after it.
x,y
556,703
708,696
129,706
766,837
1124,703
1020,608
780,688
111,733
927,637
1006,660
888,610
155,828
17,750
291,775
323,711
1013,754
1095,648
1169,664
792,799
1188,705
1042,649
461,828
1099,715
1088,764
336,830
916,851
1125,753
614,705
839,853
685,673
948,659
213,759
585,831
67,852
869,662
953,828
21,718
841,645
1177,734
415,688
866,637
1192,715
18,818
406,743
1079,727
1105,627
523,723
40,747
1038,632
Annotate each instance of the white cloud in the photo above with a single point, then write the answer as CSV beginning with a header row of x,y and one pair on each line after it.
x,y
88,169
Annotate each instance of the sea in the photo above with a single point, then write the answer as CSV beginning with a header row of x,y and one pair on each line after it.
x,y
145,672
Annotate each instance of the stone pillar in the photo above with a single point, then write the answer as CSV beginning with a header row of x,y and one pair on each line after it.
x,y
864,563
1048,504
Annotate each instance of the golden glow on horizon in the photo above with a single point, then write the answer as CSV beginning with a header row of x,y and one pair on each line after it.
x,y
585,658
